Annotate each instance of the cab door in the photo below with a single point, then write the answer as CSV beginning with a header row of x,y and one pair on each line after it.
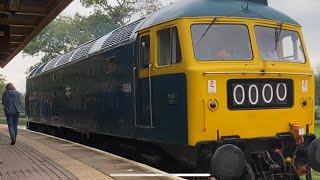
x,y
143,84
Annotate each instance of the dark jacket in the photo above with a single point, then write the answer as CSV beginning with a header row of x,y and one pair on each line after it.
x,y
11,102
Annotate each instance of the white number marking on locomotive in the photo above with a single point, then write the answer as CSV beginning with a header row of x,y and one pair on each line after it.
x,y
212,86
255,100
285,92
264,95
126,88
235,95
250,94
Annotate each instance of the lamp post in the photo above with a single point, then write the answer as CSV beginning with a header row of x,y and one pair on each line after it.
x,y
12,6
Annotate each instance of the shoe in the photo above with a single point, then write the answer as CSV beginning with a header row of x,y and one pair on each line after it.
x,y
13,142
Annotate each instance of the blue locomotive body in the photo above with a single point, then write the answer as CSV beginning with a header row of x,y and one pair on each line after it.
x,y
97,95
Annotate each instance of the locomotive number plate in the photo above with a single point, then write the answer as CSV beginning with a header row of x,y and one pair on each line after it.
x,y
259,93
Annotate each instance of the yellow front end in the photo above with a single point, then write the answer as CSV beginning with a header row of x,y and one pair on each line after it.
x,y
208,82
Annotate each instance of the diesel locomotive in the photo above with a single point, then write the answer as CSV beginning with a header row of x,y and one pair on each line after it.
x,y
225,85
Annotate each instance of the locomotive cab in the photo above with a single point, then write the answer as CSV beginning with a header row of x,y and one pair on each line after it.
x,y
250,92
251,87
257,74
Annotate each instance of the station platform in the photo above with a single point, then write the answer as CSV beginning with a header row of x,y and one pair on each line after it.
x,y
38,156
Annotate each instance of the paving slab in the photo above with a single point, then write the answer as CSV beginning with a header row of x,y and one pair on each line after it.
x,y
39,156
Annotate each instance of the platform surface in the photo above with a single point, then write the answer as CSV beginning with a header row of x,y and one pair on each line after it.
x,y
37,156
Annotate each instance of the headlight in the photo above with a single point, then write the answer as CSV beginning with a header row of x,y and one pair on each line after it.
x,y
213,105
304,103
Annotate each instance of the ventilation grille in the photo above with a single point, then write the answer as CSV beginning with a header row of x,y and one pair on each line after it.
x,y
120,35
65,59
52,63
32,72
83,51
39,70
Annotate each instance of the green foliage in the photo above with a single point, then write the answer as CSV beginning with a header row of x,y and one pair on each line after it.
x,y
22,103
121,11
317,88
2,89
315,175
34,66
317,130
52,41
317,112
2,84
67,33
95,25
22,121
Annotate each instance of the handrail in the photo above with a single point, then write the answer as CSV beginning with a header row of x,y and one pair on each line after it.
x,y
150,94
134,95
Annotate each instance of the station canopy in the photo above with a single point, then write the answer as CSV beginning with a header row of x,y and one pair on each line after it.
x,y
22,20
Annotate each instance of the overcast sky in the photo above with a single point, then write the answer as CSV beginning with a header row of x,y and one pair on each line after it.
x,y
306,12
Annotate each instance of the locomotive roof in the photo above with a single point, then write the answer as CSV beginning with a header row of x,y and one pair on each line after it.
x,y
235,8
183,8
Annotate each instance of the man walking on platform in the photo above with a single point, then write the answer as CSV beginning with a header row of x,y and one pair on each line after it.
x,y
11,103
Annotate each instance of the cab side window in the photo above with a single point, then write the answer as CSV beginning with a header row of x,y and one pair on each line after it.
x,y
144,51
169,47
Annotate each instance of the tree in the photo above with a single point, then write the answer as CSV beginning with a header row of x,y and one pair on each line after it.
x,y
317,86
52,40
2,89
67,33
2,84
121,11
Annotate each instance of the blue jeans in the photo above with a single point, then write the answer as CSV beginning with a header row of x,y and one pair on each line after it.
x,y
12,120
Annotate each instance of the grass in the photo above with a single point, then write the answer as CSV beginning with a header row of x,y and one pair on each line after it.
x,y
317,130
316,175
21,122
317,112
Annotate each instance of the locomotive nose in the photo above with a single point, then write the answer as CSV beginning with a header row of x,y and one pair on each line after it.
x,y
314,155
228,162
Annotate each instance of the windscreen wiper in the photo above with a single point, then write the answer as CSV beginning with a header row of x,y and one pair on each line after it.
x,y
278,35
213,21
